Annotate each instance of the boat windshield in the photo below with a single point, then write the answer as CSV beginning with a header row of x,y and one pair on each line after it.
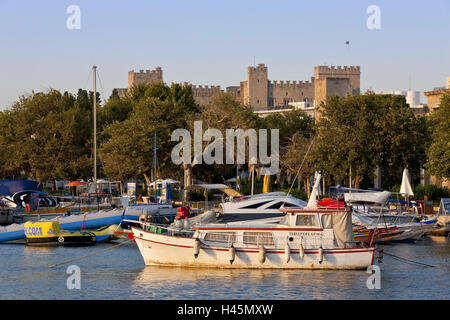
x,y
285,220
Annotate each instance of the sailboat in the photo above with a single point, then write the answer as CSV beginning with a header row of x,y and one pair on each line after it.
x,y
371,211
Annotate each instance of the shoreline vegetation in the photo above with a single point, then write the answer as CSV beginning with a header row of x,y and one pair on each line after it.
x,y
47,136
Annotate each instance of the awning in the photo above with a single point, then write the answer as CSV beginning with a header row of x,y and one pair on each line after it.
x,y
161,182
222,187
76,184
377,197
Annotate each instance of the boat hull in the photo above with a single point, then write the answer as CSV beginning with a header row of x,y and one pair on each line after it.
x,y
73,222
62,241
160,249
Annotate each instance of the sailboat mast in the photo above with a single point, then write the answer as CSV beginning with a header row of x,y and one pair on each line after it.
x,y
156,193
95,126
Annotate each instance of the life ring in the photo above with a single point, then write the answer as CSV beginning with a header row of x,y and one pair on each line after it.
x,y
27,208
61,239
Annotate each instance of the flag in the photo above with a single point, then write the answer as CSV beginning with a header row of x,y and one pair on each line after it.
x,y
347,42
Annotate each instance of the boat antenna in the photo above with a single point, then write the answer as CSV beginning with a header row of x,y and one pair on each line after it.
x,y
298,171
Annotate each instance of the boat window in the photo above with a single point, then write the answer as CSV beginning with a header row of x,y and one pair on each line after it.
x,y
255,205
327,221
258,238
285,220
276,205
291,205
306,220
221,236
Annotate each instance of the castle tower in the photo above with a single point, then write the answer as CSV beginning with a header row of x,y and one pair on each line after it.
x,y
330,81
147,76
352,72
255,89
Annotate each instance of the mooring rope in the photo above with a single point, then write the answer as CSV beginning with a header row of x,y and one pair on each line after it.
x,y
407,260
91,254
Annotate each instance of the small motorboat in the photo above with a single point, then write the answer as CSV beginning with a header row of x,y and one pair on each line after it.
x,y
50,233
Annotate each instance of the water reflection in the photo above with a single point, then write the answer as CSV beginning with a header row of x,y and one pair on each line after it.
x,y
240,283
121,274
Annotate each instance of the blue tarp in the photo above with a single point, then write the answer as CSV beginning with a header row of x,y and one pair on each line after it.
x,y
11,186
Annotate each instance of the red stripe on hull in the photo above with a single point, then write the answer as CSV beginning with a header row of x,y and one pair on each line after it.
x,y
307,251
269,229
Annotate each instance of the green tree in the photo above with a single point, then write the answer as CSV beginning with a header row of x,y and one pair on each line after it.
x,y
48,136
127,146
365,131
221,113
439,150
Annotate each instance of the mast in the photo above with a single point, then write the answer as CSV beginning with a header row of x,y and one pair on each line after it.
x,y
156,193
253,177
95,126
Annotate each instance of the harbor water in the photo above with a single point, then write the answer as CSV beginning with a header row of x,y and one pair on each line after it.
x,y
120,274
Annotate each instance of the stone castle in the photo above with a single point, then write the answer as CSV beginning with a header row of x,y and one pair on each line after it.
x,y
264,94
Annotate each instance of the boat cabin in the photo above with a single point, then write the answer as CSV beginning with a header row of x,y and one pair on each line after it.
x,y
326,228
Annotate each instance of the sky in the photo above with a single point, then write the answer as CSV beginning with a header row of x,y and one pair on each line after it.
x,y
208,42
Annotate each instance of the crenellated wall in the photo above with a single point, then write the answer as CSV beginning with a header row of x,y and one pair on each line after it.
x,y
351,72
262,94
203,94
147,76
281,93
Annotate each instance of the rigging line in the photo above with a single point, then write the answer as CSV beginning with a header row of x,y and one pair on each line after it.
x,y
91,254
101,86
298,171
87,80
391,266
407,260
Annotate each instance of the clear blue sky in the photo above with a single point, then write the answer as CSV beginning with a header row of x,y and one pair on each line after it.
x,y
212,42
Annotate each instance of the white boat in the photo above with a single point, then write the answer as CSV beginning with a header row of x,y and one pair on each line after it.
x,y
370,211
265,204
444,216
305,238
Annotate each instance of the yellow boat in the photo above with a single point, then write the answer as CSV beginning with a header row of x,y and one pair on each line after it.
x,y
49,233
362,234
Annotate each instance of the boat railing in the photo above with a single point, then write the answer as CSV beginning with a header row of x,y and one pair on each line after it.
x,y
259,239
163,228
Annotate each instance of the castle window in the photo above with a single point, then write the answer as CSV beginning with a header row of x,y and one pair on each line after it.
x,y
286,94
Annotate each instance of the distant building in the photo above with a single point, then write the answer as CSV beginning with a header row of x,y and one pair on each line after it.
x,y
412,97
434,98
306,106
264,94
147,76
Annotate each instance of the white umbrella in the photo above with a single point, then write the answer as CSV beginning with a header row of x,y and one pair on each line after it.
x,y
406,185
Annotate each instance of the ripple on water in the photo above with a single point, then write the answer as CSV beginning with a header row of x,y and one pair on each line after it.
x,y
121,274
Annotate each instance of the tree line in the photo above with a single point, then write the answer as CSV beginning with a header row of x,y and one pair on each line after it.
x,y
48,136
